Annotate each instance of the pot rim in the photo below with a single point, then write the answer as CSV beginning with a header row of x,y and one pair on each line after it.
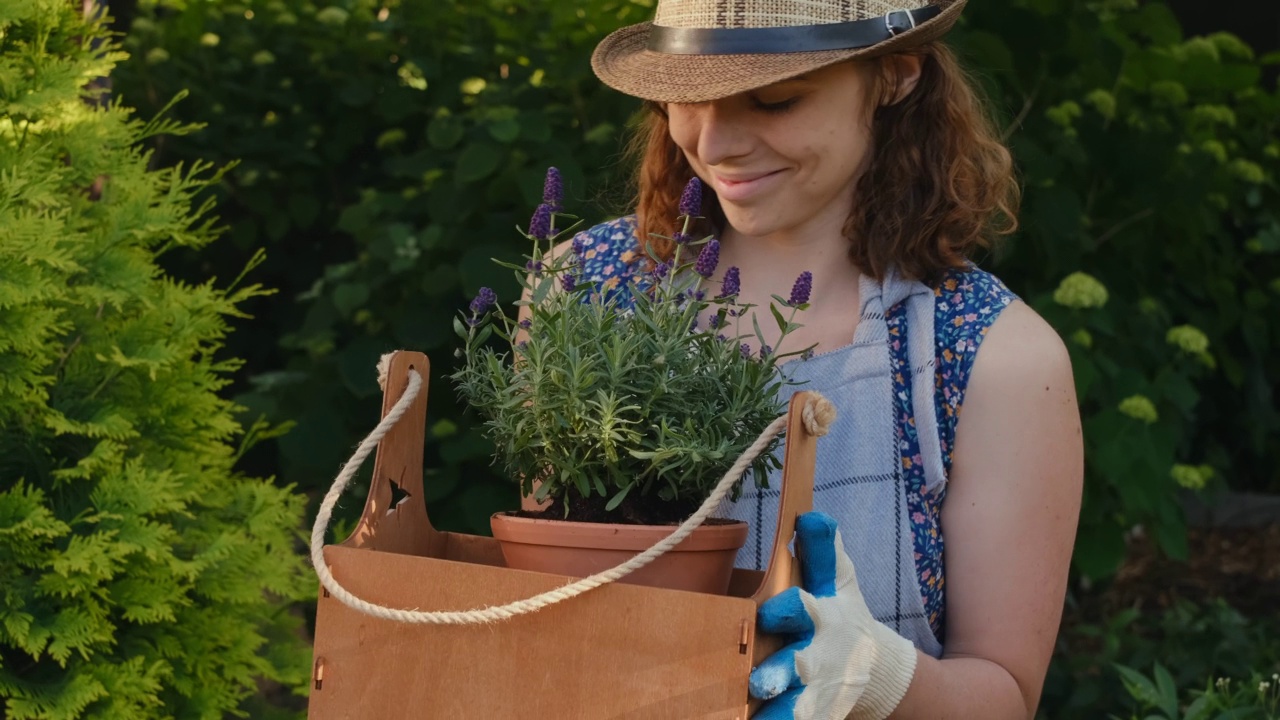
x,y
613,536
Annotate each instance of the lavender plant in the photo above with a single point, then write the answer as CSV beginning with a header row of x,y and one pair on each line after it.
x,y
639,408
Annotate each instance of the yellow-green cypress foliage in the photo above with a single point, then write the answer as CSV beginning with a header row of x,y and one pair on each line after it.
x,y
140,575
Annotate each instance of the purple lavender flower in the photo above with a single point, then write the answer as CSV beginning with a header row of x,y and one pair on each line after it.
x,y
802,289
765,352
568,282
745,349
732,282
484,300
534,267
808,354
722,338
522,345
580,242
525,323
681,239
553,190
691,198
660,271
540,224
699,296
713,322
708,258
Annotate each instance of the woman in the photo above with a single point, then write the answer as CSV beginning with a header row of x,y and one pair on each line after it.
x,y
840,137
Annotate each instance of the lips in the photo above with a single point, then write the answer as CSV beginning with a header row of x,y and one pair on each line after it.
x,y
736,188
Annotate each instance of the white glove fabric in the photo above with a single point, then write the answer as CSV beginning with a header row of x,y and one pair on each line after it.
x,y
844,664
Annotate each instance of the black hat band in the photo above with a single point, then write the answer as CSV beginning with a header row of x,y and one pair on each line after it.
x,y
800,38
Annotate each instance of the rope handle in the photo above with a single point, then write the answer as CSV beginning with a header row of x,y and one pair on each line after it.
x,y
818,413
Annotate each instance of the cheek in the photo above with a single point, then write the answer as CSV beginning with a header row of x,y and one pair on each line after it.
x,y
847,144
834,154
683,130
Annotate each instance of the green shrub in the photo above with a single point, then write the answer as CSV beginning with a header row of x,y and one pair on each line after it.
x,y
141,576
1197,643
1151,241
1224,698
388,150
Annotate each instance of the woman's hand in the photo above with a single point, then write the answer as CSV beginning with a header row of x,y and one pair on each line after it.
x,y
844,663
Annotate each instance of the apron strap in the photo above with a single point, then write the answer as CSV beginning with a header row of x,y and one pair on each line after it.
x,y
922,356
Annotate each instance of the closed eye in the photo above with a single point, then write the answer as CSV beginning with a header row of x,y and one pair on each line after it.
x,y
775,107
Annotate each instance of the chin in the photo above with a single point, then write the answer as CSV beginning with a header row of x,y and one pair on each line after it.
x,y
755,220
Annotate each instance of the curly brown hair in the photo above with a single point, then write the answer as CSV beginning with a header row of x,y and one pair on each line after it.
x,y
939,184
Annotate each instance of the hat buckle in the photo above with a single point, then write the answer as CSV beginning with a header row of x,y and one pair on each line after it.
x,y
896,28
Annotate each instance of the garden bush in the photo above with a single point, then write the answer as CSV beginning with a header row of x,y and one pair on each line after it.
x,y
387,150
1093,676
1151,240
141,575
1257,697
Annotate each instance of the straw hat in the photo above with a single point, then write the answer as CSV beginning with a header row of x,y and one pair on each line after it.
x,y
698,50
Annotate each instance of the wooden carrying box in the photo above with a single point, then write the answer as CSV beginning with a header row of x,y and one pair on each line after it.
x,y
617,651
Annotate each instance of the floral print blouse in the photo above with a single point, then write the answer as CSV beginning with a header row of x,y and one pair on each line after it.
x,y
968,303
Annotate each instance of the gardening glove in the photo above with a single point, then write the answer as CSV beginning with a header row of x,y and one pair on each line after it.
x,y
844,663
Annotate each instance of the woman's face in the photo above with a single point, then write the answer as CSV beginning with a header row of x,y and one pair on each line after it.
x,y
785,154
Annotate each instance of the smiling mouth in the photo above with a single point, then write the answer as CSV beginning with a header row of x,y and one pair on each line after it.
x,y
745,180
744,189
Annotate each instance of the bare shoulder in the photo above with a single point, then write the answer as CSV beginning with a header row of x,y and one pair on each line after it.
x,y
1021,394
1022,390
562,248
1020,347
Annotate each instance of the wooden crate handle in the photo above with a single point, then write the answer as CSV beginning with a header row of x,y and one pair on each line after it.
x,y
798,464
399,460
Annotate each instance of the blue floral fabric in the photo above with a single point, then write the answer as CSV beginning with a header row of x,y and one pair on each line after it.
x,y
608,253
968,303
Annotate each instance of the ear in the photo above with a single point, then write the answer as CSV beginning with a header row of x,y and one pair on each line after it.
x,y
904,70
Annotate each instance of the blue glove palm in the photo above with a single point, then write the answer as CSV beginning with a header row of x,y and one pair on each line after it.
x,y
842,663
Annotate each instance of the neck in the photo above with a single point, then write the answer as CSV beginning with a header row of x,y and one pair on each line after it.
x,y
774,260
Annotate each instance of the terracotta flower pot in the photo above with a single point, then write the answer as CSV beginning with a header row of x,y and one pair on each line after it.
x,y
703,562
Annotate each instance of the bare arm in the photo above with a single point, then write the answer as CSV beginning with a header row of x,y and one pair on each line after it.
x,y
1010,520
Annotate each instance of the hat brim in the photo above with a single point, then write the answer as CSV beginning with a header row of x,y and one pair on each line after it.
x,y
623,62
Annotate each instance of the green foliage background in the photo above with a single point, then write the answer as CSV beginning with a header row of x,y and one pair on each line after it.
x,y
141,575
1150,163
1197,643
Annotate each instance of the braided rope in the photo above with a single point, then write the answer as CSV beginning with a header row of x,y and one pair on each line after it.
x,y
817,414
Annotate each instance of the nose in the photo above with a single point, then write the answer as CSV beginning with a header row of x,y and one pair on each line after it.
x,y
719,130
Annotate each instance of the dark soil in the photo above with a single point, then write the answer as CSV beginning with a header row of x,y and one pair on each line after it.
x,y
1238,565
633,511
